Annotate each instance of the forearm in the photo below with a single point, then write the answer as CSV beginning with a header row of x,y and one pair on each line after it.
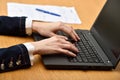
x,y
14,57
18,26
12,26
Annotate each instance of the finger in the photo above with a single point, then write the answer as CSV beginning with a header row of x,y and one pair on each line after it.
x,y
69,47
51,34
78,38
61,37
69,31
67,52
63,40
73,36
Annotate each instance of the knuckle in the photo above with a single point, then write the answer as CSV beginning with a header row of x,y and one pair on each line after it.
x,y
55,38
57,50
60,50
71,27
58,40
60,23
66,51
69,46
71,30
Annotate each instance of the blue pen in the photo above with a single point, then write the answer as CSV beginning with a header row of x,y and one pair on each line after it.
x,y
47,12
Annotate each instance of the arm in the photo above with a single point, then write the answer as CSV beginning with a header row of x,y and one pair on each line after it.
x,y
55,44
14,57
12,26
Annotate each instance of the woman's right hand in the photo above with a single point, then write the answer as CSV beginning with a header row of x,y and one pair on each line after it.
x,y
54,45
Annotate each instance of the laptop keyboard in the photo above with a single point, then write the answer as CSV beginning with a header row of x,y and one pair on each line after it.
x,y
87,53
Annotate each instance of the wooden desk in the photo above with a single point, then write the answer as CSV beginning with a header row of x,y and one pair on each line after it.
x,y
88,11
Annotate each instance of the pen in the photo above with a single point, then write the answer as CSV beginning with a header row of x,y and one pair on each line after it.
x,y
47,12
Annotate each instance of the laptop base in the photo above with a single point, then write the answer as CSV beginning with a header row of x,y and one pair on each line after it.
x,y
60,62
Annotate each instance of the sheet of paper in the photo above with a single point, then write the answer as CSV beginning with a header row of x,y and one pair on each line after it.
x,y
67,14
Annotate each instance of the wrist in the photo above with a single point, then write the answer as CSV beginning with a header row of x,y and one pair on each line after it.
x,y
39,47
35,47
35,25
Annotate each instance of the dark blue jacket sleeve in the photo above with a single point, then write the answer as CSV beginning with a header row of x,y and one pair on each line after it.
x,y
12,26
14,57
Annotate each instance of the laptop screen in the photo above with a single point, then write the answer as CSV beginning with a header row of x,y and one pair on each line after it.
x,y
108,26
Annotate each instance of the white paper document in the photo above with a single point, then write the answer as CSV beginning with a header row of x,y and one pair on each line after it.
x,y
44,12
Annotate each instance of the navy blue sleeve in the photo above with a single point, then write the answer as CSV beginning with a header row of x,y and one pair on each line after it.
x,y
14,57
12,26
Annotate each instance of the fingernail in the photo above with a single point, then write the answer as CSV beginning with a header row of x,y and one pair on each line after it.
x,y
74,55
77,50
75,39
66,38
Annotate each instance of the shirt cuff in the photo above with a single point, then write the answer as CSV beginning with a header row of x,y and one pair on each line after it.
x,y
28,26
30,49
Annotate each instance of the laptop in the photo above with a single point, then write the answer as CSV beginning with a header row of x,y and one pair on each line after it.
x,y
99,47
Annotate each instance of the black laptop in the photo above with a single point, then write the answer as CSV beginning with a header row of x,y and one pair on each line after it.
x,y
99,48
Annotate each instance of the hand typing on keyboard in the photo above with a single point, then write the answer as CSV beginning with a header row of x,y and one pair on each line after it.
x,y
50,29
57,43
